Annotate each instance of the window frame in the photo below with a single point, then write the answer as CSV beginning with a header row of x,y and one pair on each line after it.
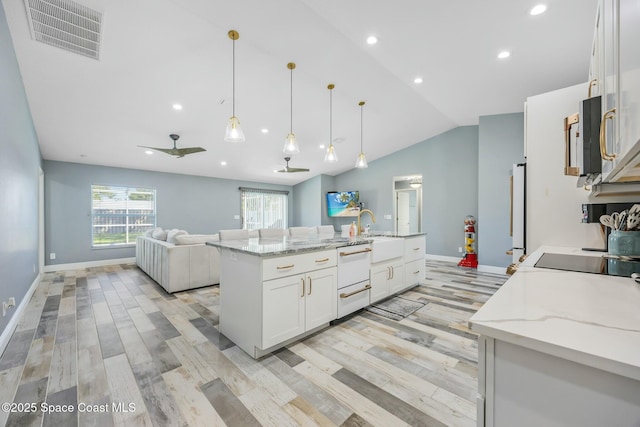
x,y
127,215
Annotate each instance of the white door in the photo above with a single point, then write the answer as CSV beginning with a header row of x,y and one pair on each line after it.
x,y
396,279
379,282
282,309
404,213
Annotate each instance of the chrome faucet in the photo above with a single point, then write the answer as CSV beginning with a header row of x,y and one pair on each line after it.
x,y
373,219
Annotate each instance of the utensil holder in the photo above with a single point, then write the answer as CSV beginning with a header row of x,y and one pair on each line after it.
x,y
624,243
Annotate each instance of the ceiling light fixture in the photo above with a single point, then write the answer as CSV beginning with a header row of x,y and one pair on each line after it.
x,y
416,182
418,80
149,152
331,156
177,107
265,130
234,132
290,143
538,9
372,40
361,161
504,54
223,163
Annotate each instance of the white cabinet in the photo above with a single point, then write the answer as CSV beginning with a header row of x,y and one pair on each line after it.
x,y
620,66
296,304
414,250
387,278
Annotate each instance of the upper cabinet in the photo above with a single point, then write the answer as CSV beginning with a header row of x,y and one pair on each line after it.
x,y
615,64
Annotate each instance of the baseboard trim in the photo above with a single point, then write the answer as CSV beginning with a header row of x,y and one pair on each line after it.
x,y
492,269
13,323
88,264
442,258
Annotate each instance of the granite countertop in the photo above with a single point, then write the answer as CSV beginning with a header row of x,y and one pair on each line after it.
x,y
288,244
591,319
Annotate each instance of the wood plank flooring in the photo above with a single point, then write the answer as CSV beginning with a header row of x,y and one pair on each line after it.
x,y
123,352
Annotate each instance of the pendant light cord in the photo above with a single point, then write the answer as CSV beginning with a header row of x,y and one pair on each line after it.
x,y
233,79
361,109
291,104
330,117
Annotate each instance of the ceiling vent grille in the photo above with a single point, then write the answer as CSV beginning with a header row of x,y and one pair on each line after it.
x,y
66,24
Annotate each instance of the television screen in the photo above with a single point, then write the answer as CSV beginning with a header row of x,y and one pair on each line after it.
x,y
343,203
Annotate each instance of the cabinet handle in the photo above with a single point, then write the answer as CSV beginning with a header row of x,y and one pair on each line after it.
x,y
603,135
592,83
416,272
356,252
350,294
310,285
416,249
568,122
393,272
284,267
302,296
322,260
388,273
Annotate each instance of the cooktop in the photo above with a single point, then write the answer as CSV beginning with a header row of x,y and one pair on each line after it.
x,y
589,264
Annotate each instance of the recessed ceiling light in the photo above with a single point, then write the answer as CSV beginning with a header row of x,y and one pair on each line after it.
x,y
223,163
417,80
148,152
372,40
504,54
265,130
538,9
322,146
177,107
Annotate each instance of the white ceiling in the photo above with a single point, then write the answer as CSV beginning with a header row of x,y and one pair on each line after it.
x,y
159,52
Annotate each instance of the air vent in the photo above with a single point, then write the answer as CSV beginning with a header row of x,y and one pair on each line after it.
x,y
66,24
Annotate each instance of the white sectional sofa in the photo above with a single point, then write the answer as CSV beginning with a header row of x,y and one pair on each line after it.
x,y
184,263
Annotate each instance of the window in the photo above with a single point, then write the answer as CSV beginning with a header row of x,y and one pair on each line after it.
x,y
120,214
263,208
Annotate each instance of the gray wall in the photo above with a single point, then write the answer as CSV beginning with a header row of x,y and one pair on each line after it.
x,y
19,171
501,144
197,204
307,203
449,165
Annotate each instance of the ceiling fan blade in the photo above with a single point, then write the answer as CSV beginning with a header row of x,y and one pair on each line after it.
x,y
164,150
292,170
190,150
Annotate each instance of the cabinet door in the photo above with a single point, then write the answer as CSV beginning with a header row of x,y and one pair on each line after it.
x,y
628,112
414,272
610,81
321,303
396,281
282,309
380,275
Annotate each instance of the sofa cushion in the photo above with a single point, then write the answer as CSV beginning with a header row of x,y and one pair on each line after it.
x,y
149,233
172,234
195,239
159,234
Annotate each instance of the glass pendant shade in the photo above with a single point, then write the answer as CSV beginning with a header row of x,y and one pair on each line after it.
x,y
290,144
361,161
331,156
234,131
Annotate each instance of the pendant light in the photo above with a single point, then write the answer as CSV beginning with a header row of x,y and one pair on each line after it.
x,y
331,156
290,143
234,132
361,161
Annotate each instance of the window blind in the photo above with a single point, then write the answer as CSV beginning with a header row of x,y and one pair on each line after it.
x,y
263,208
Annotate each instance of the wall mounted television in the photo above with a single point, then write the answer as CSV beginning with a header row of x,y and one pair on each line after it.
x,y
343,203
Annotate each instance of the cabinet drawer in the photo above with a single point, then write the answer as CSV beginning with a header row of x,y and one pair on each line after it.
x,y
353,298
414,272
414,248
272,268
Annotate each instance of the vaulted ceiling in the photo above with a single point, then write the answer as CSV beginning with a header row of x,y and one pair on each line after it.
x,y
155,53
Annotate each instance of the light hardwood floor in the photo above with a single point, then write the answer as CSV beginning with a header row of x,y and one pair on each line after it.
x,y
123,352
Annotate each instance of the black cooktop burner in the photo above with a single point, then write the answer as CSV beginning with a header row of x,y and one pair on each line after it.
x,y
588,264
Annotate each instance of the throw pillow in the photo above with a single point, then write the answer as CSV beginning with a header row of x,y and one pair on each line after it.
x,y
159,234
171,235
195,239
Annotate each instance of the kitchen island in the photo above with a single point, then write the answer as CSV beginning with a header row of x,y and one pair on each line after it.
x,y
559,348
277,290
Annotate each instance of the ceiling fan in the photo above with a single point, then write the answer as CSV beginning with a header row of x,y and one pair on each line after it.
x,y
175,151
291,170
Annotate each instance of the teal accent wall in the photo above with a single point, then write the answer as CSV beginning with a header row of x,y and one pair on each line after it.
x,y
501,144
199,205
19,176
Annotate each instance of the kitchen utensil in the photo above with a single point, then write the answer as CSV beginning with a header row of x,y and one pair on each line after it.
x,y
633,218
606,221
636,277
622,226
615,220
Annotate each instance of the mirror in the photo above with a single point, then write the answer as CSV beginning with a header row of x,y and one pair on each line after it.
x,y
407,204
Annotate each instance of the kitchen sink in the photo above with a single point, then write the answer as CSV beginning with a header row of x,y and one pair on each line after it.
x,y
384,248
